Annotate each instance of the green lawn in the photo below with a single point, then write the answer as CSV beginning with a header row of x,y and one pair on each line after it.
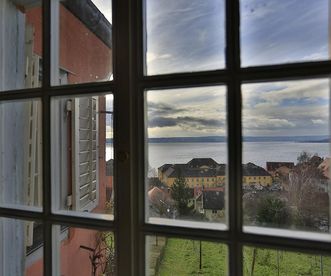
x,y
290,264
181,257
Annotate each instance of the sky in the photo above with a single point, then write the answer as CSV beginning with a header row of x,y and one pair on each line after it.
x,y
187,112
189,35
105,6
290,108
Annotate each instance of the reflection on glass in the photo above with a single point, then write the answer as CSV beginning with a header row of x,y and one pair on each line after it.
x,y
82,155
21,247
286,153
184,36
21,158
186,161
261,262
170,256
21,44
83,252
274,32
84,46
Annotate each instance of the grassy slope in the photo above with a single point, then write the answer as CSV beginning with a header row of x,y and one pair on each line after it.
x,y
290,264
181,257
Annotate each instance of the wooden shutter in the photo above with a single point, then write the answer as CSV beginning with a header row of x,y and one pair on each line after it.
x,y
33,162
85,153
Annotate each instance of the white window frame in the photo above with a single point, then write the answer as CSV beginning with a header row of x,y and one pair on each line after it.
x,y
128,87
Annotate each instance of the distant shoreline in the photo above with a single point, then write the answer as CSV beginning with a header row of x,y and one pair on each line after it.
x,y
223,139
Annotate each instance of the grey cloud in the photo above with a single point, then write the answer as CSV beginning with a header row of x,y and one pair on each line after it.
x,y
186,122
162,122
200,122
158,109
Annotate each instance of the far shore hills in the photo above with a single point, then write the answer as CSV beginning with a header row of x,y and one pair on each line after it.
x,y
220,139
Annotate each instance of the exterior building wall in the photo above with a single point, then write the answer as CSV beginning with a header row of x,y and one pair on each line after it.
x,y
73,259
217,215
86,58
262,180
216,181
81,52
34,18
221,179
169,181
192,182
36,269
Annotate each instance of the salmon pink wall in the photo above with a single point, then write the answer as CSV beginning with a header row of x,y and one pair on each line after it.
x,y
86,58
34,18
73,259
82,54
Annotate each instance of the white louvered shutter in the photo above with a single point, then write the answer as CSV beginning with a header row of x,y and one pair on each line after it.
x,y
33,162
85,153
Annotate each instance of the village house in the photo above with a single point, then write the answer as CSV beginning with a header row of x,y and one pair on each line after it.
x,y
210,203
205,172
199,172
279,169
256,175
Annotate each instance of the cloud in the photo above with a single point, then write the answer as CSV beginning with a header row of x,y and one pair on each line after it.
x,y
186,122
157,109
154,57
274,31
162,122
268,123
201,123
184,35
318,122
286,108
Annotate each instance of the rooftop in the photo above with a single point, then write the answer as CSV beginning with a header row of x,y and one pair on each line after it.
x,y
201,162
213,200
250,169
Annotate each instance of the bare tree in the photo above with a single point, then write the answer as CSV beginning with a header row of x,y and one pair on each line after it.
x,y
102,256
305,181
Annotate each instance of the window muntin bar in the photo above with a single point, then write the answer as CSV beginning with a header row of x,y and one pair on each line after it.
x,y
305,70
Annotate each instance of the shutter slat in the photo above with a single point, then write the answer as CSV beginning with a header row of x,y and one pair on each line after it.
x,y
86,155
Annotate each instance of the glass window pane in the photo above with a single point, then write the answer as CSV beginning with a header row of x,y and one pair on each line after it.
x,y
286,154
171,256
21,247
21,154
82,51
184,36
82,155
274,32
263,261
186,157
83,252
20,44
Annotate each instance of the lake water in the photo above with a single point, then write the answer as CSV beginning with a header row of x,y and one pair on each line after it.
x,y
257,152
